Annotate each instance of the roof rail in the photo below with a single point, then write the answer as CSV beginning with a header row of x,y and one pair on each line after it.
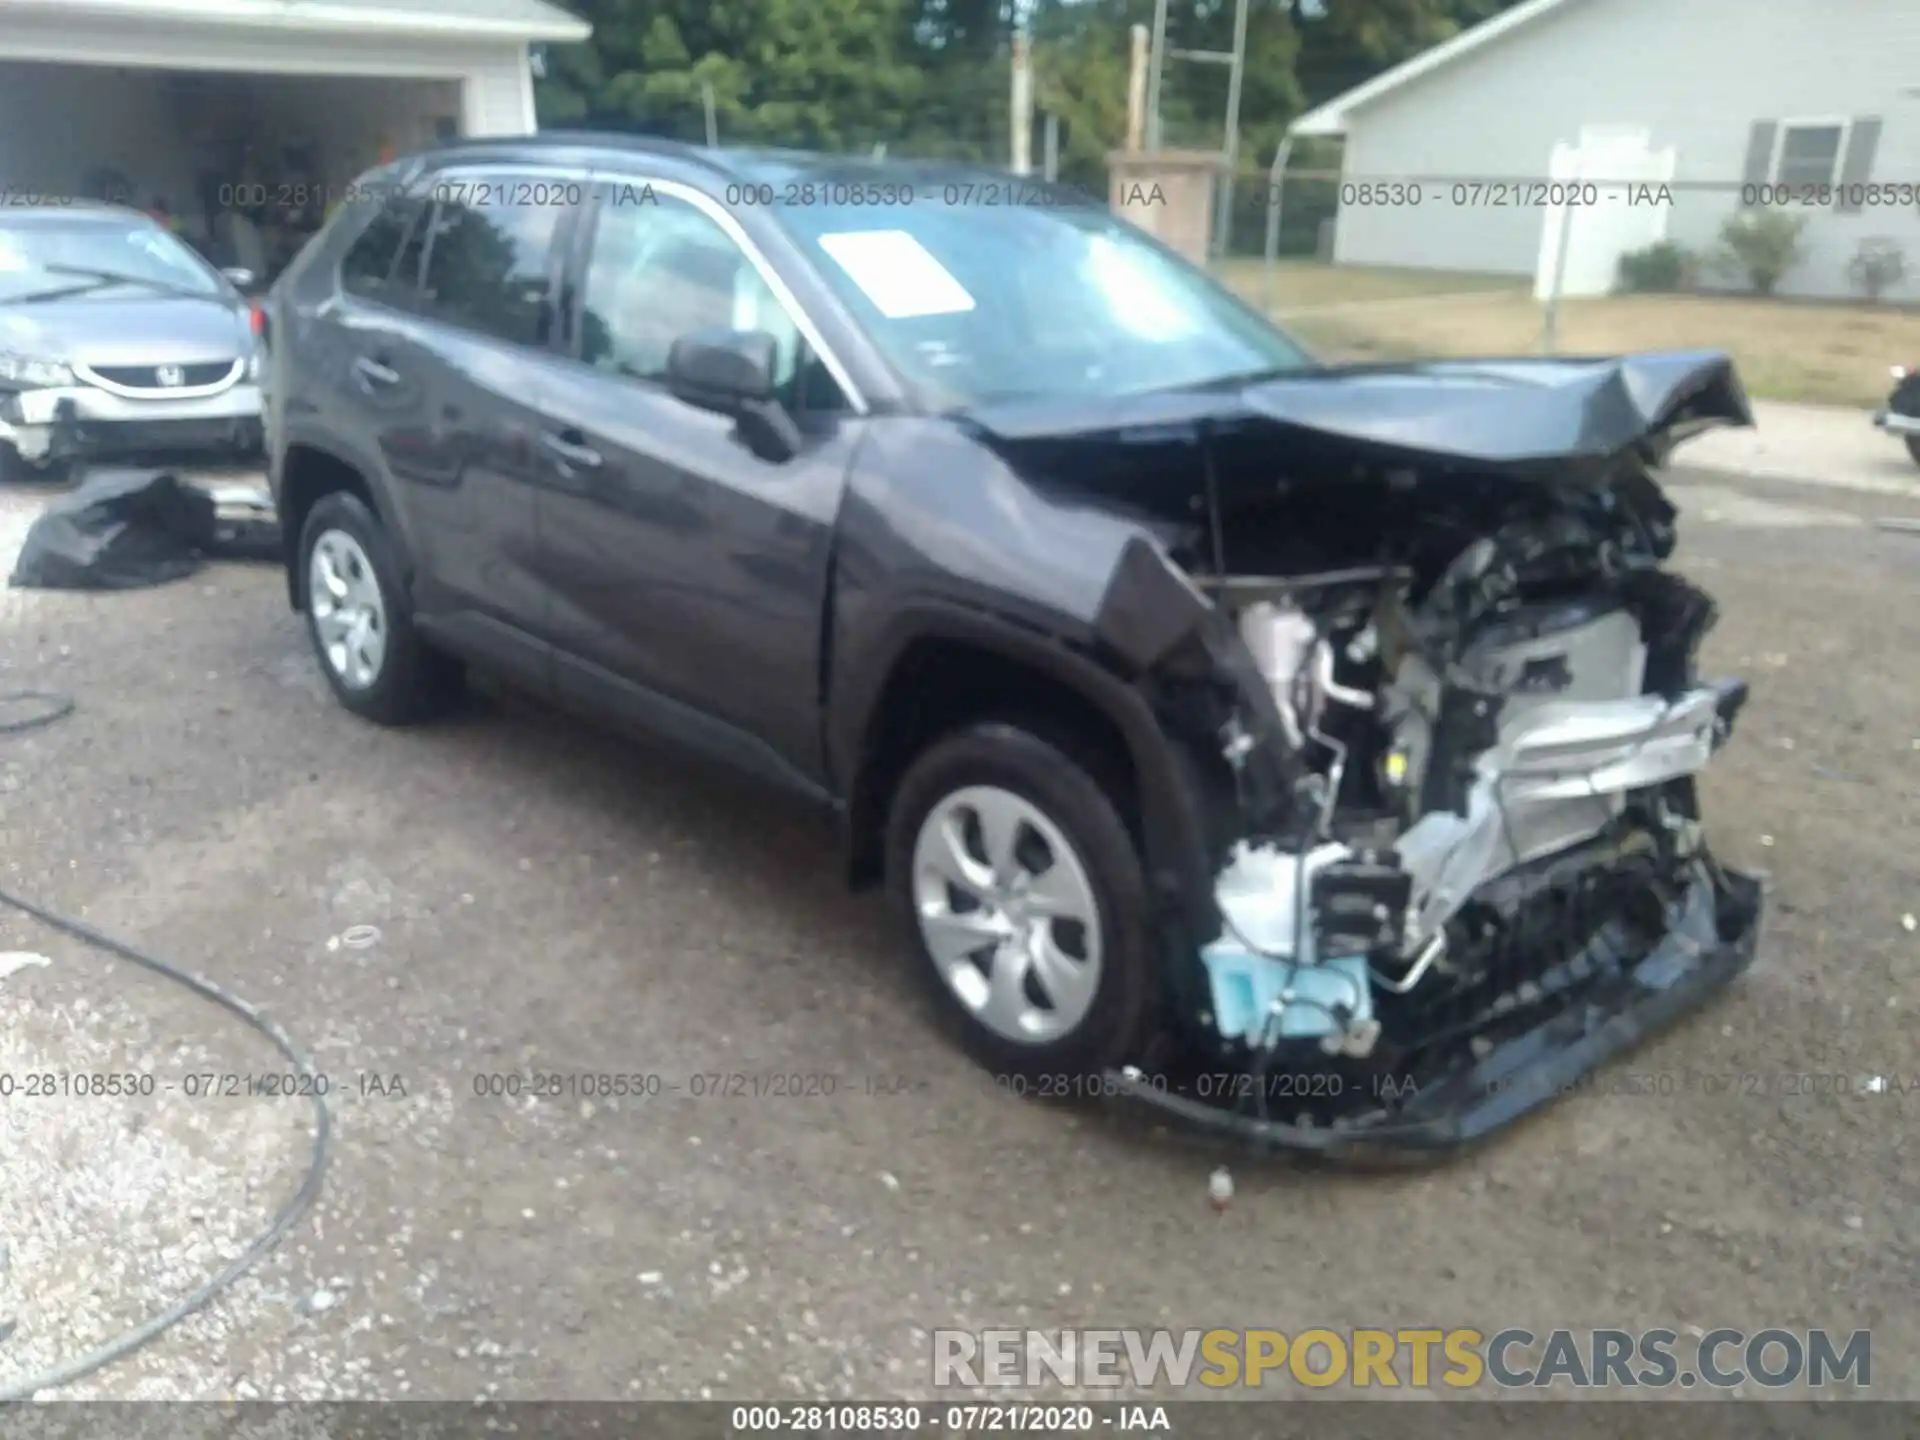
x,y
604,139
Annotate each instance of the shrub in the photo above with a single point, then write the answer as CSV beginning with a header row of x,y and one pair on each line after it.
x,y
1877,266
1761,245
1662,267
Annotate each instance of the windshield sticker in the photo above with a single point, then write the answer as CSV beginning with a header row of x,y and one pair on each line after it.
x,y
897,273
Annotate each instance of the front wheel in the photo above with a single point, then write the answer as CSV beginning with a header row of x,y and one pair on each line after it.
x,y
1023,891
360,622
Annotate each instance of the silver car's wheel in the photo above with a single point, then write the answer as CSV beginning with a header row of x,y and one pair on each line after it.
x,y
349,612
1008,913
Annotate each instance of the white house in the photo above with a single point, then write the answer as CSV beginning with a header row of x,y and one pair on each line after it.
x,y
1814,101
209,102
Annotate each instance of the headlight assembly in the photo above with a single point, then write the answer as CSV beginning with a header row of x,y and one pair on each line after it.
x,y
22,372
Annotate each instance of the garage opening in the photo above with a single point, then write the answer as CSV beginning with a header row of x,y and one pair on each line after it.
x,y
246,165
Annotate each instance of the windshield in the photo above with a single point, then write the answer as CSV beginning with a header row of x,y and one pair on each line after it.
x,y
978,303
78,254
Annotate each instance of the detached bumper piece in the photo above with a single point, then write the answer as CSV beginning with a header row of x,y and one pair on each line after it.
x,y
1599,1003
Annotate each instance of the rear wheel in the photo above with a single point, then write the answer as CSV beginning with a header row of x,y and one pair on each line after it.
x,y
359,620
1023,891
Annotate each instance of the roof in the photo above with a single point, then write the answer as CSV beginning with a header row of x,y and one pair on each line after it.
x,y
521,20
1331,118
756,165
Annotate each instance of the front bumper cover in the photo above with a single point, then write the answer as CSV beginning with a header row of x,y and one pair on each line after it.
x,y
51,427
1712,929
1894,423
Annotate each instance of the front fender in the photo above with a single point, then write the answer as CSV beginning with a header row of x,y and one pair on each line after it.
x,y
1171,817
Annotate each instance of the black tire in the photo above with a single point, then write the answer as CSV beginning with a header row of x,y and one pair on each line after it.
x,y
1913,448
1123,1013
414,682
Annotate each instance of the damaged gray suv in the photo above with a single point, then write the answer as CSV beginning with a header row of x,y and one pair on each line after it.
x,y
1306,753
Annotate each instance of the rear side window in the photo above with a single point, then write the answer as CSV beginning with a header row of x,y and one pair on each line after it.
x,y
490,257
369,267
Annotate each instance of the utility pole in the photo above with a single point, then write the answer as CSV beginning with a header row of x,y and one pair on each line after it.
x,y
1050,148
1156,63
1235,61
1022,116
713,124
1236,67
1276,192
1137,92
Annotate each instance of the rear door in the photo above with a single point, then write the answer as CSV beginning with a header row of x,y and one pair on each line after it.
x,y
467,370
689,573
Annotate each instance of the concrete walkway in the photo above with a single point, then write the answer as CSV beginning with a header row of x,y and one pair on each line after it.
x,y
1808,444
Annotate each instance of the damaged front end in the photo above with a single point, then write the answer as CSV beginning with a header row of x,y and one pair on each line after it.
x,y
1410,633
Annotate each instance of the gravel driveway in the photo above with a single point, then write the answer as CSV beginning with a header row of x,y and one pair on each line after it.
x,y
516,891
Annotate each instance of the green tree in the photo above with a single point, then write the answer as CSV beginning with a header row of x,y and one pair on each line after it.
x,y
930,77
811,74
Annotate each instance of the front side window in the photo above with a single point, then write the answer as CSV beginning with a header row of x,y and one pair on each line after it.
x,y
980,303
663,268
489,257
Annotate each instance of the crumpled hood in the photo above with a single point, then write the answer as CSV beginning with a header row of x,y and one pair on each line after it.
x,y
1513,414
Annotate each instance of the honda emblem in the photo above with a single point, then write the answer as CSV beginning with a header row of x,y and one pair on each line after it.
x,y
170,376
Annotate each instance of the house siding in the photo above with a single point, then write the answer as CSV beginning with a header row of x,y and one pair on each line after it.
x,y
1696,76
493,72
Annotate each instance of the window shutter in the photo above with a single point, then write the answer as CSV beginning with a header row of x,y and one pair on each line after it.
x,y
1856,166
1760,152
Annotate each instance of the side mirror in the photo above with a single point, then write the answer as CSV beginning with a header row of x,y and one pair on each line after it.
x,y
731,372
722,369
240,278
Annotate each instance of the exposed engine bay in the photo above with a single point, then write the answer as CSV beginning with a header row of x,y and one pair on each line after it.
x,y
1443,736
1414,634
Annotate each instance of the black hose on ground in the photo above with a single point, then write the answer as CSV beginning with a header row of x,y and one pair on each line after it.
x,y
49,708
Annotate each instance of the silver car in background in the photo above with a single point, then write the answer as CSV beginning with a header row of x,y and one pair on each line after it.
x,y
119,343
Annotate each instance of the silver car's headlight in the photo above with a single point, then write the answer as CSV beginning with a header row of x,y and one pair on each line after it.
x,y
22,372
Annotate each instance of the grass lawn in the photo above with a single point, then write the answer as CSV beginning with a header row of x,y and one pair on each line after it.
x,y
1786,350
1299,283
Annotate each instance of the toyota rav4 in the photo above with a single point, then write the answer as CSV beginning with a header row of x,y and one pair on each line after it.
x,y
1206,710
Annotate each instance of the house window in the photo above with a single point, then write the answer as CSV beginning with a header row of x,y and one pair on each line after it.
x,y
1808,153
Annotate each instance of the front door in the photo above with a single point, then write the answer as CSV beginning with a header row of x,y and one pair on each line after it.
x,y
689,574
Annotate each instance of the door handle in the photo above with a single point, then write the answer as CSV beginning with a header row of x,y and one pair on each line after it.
x,y
373,373
571,451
